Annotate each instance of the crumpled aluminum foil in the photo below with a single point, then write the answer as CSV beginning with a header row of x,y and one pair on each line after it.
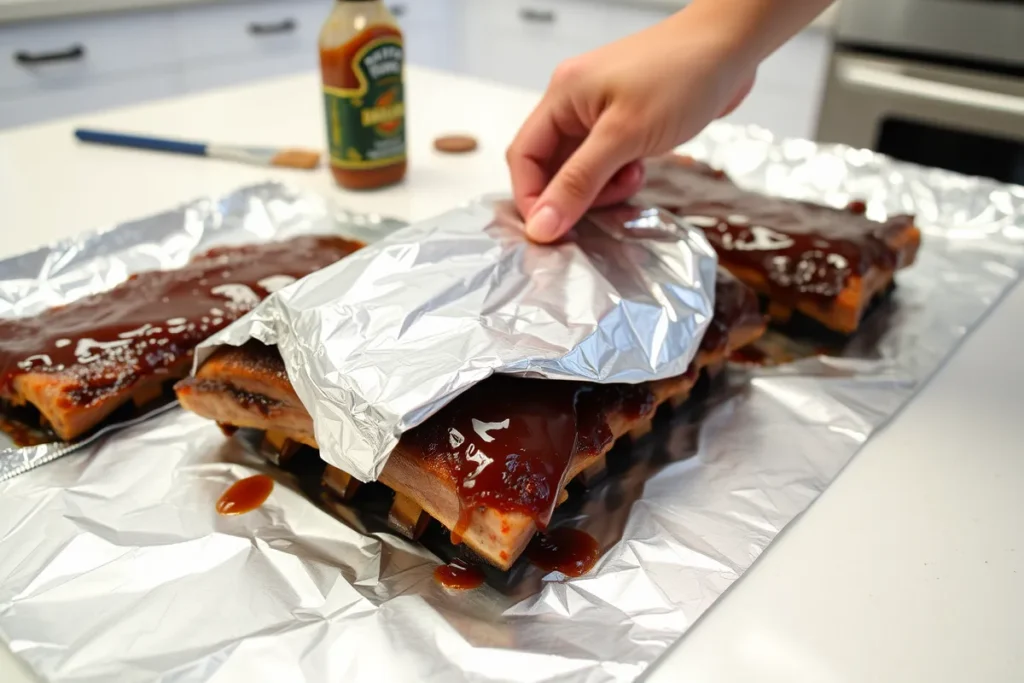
x,y
96,261
116,567
377,343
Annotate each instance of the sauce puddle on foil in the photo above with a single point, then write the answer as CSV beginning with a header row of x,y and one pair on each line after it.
x,y
569,551
458,575
245,495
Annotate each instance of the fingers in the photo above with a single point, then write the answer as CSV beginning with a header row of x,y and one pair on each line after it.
x,y
530,155
606,150
626,182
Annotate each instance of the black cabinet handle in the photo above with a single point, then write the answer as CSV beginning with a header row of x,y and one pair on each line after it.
x,y
540,16
73,53
398,10
283,26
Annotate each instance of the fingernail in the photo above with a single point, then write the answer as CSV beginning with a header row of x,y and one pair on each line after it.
x,y
543,225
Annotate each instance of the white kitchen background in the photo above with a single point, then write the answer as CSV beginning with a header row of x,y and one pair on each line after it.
x,y
59,58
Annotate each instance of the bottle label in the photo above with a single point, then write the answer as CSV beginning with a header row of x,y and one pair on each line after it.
x,y
366,125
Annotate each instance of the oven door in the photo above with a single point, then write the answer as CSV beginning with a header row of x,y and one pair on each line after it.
x,y
953,118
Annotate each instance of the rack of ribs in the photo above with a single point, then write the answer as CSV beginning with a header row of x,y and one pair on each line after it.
x,y
78,363
493,464
827,263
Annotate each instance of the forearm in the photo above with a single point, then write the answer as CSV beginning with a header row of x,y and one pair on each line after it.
x,y
749,30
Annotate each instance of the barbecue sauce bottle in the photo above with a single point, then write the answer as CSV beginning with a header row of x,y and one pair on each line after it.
x,y
361,61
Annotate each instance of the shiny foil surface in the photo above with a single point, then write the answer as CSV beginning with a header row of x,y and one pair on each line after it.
x,y
380,341
97,261
115,566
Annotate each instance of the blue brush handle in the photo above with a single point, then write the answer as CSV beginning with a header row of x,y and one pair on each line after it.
x,y
141,142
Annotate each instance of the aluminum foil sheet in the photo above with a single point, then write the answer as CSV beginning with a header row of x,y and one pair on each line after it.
x,y
97,261
377,343
115,566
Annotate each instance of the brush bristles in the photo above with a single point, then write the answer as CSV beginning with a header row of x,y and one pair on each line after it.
x,y
296,158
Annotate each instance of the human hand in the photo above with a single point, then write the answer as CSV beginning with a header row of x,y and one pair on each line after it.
x,y
608,109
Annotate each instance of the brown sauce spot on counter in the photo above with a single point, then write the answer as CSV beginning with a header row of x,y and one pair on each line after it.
x,y
455,144
458,575
569,551
245,495
103,344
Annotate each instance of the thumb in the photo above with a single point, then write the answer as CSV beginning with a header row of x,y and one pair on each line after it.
x,y
574,188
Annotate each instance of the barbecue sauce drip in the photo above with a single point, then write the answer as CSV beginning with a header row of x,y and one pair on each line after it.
x,y
569,551
22,433
104,343
458,575
245,495
508,443
800,249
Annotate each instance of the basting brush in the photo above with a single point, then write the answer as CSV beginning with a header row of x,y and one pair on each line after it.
x,y
261,156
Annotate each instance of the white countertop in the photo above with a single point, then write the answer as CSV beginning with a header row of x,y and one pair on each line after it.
x,y
910,567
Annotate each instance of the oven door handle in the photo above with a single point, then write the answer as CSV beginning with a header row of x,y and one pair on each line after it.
x,y
881,80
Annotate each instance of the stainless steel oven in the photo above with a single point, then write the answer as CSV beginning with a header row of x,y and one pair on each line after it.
x,y
936,82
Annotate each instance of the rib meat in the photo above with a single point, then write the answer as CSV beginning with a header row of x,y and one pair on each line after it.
x,y
492,465
78,363
826,263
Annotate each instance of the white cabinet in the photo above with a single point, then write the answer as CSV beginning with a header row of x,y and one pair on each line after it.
x,y
250,32
48,54
431,29
63,67
521,41
40,104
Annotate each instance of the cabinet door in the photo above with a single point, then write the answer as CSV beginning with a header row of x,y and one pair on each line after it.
x,y
55,54
585,24
430,29
37,106
251,31
520,42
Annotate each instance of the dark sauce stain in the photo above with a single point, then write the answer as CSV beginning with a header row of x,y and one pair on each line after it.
x,y
25,432
801,250
103,344
226,429
245,495
569,551
458,575
751,355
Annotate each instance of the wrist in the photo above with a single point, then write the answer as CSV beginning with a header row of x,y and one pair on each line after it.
x,y
726,37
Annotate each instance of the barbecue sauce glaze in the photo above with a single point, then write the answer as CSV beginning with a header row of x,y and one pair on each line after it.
x,y
799,249
151,322
508,443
